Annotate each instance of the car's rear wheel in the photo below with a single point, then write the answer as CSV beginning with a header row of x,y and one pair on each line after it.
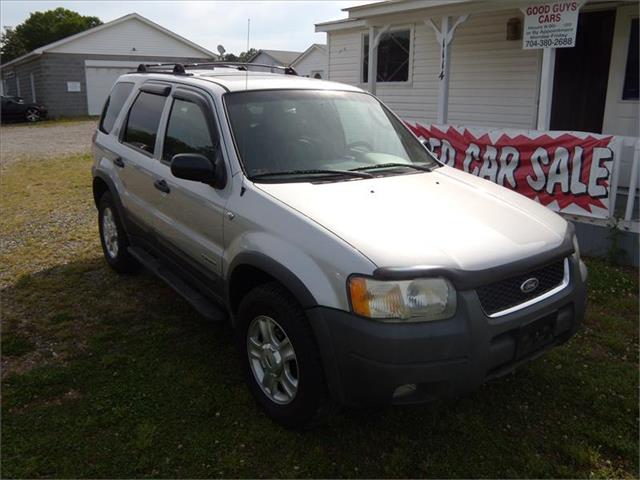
x,y
32,114
113,237
280,356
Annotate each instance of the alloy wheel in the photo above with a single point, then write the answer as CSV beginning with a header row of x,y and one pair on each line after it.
x,y
33,115
110,232
272,359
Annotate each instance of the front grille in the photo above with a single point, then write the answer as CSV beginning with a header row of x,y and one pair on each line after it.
x,y
507,293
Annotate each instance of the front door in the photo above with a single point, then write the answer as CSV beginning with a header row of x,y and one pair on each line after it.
x,y
191,214
581,75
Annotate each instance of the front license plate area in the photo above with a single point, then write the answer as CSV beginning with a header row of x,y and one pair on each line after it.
x,y
535,335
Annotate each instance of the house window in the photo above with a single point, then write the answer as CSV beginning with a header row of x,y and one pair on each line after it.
x,y
630,88
393,57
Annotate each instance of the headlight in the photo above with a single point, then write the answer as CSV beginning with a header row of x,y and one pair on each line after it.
x,y
576,248
428,298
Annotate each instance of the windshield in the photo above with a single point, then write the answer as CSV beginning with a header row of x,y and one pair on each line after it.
x,y
303,133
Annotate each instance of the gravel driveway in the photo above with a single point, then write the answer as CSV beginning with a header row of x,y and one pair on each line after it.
x,y
40,141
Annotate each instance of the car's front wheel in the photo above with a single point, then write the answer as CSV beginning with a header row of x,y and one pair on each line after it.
x,y
113,237
32,114
280,356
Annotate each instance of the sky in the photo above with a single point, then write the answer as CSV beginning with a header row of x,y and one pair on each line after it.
x,y
277,25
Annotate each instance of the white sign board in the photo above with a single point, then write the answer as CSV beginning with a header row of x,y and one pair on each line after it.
x,y
73,87
551,25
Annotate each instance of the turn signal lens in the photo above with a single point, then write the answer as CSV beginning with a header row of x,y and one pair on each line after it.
x,y
359,296
423,299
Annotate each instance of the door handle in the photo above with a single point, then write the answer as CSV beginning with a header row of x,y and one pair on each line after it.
x,y
162,186
118,162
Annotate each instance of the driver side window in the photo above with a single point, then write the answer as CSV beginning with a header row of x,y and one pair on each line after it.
x,y
188,132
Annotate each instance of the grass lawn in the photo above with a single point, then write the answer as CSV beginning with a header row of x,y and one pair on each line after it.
x,y
109,376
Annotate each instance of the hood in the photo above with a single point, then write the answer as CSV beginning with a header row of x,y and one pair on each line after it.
x,y
444,218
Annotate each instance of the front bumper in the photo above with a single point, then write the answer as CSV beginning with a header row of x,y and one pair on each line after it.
x,y
366,361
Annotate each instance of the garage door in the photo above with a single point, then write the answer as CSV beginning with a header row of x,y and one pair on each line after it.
x,y
99,83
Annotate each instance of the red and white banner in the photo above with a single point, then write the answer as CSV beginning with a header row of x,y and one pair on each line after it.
x,y
569,172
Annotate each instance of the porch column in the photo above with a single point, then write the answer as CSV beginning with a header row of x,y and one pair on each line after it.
x,y
373,61
445,36
546,88
375,35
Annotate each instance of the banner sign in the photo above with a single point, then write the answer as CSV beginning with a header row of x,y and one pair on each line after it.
x,y
550,25
569,172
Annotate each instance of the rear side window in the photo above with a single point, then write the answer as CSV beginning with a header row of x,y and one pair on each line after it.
x,y
114,104
187,132
143,121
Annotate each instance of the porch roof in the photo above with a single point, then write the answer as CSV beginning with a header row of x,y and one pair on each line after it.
x,y
401,11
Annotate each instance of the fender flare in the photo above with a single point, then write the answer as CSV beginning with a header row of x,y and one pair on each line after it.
x,y
275,269
114,194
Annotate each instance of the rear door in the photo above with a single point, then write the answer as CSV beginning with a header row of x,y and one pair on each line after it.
x,y
106,139
191,214
137,152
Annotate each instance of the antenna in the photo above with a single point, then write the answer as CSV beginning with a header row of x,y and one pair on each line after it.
x,y
246,75
248,31
221,51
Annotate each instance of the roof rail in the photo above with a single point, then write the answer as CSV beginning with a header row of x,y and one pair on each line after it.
x,y
181,68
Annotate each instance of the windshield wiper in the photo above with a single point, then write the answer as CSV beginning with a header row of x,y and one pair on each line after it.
x,y
346,173
415,166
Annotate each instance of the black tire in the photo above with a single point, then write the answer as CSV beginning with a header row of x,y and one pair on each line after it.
x,y
119,259
32,114
273,300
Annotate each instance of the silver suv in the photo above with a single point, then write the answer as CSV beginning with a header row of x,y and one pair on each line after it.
x,y
354,267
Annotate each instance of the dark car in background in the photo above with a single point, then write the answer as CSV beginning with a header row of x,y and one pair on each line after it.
x,y
15,109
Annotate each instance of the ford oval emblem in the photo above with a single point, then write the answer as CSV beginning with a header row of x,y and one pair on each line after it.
x,y
529,285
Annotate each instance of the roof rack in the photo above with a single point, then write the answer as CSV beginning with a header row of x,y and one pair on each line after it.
x,y
181,68
175,68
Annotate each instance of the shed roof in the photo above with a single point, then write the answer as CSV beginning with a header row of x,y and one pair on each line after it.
x,y
104,26
284,57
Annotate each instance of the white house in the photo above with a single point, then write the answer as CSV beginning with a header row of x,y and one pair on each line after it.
x,y
313,62
73,76
493,81
276,58
462,63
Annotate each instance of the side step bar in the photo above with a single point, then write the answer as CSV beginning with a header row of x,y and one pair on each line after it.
x,y
202,304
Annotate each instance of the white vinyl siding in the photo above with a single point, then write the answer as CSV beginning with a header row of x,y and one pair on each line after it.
x,y
417,100
314,61
493,81
131,37
344,56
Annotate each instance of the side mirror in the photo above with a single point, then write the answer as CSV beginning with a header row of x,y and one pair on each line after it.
x,y
193,166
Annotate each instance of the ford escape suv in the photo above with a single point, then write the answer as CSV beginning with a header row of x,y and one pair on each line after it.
x,y
353,266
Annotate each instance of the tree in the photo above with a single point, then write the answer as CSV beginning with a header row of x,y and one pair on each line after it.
x,y
246,56
229,57
42,28
11,45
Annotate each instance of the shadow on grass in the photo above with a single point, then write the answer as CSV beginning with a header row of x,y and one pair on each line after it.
x,y
146,387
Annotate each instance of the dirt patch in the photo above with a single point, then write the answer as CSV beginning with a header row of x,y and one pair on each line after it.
x,y
38,142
